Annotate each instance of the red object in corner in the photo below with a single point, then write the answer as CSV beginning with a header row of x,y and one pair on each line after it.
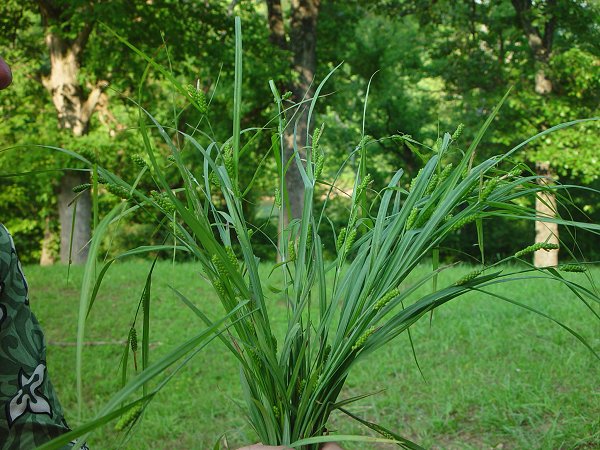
x,y
5,74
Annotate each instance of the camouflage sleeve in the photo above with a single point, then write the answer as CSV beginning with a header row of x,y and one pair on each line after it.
x,y
30,413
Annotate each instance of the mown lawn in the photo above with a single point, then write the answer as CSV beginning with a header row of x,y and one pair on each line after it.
x,y
496,376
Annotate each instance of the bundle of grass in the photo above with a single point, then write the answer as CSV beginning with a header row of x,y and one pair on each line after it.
x,y
338,312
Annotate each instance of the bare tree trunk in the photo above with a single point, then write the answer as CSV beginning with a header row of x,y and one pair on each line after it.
x,y
545,202
73,114
74,111
276,25
302,43
545,206
47,258
540,42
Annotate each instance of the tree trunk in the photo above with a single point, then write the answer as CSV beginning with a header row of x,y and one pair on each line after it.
x,y
545,202
545,206
540,43
74,112
47,258
302,43
276,25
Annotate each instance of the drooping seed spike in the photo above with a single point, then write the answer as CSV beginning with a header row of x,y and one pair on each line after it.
x,y
350,240
118,191
128,418
414,180
363,185
220,266
515,173
228,159
139,160
433,182
89,154
462,222
410,221
536,247
361,340
81,187
388,297
573,268
231,254
383,432
291,251
133,342
365,140
277,197
445,173
424,216
319,163
458,131
198,96
488,188
317,135
176,230
220,288
468,277
163,201
254,356
214,179
340,239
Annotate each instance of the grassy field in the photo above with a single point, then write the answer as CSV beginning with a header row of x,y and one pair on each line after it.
x,y
496,376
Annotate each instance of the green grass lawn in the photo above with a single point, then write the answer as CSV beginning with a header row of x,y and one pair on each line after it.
x,y
496,376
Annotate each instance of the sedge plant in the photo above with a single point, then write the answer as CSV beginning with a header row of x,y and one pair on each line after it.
x,y
340,311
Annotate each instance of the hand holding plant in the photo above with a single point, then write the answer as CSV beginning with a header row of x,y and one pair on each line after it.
x,y
259,446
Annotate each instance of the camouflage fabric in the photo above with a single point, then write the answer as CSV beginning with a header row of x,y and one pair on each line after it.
x,y
30,413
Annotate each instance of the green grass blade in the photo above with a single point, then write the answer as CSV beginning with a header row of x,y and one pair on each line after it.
x,y
73,218
237,96
529,308
300,443
64,439
134,252
479,226
146,322
402,442
84,299
124,362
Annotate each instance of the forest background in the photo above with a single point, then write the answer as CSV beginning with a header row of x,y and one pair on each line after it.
x,y
433,64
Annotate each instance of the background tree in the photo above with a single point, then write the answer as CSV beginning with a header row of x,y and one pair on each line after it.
x,y
436,64
301,42
63,61
66,38
479,49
